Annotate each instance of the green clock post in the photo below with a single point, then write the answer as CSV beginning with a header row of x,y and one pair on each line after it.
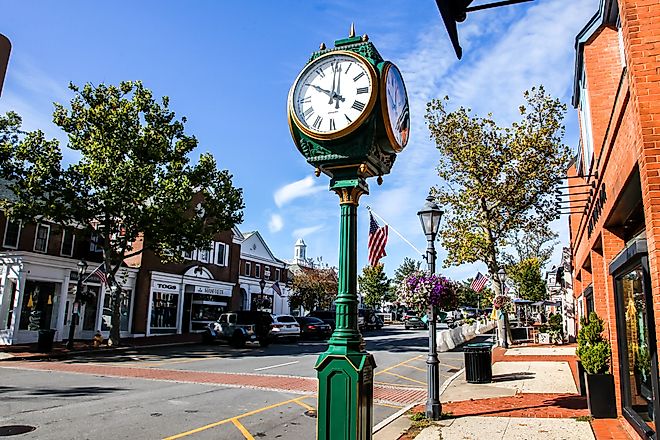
x,y
349,116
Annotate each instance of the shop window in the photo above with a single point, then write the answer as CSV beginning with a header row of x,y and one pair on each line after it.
x,y
39,308
41,238
90,308
68,239
639,372
164,312
257,271
124,310
12,234
248,269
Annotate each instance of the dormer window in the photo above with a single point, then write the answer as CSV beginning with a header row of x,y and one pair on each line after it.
x,y
68,239
41,238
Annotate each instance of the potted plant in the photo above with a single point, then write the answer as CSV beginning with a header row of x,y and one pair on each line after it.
x,y
594,352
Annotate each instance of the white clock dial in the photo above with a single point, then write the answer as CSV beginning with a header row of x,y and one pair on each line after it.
x,y
395,107
332,94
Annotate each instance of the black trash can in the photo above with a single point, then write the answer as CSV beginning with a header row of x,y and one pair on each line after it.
x,y
45,341
478,363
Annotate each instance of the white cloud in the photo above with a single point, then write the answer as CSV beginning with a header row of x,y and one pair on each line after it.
x,y
294,190
303,232
276,223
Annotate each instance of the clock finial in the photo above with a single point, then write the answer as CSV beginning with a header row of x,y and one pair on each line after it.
x,y
351,33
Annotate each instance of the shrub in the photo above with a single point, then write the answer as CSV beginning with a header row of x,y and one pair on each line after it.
x,y
593,349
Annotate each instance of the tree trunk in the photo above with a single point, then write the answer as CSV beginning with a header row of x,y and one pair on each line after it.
x,y
115,303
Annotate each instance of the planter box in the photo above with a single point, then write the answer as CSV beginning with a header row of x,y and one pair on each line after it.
x,y
600,395
582,385
544,338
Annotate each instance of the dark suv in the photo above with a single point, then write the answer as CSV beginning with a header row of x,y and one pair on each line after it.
x,y
327,316
240,327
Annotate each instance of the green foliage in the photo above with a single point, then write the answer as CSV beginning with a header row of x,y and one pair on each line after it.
x,y
134,178
496,181
313,289
537,242
374,285
555,328
528,279
408,266
593,349
465,296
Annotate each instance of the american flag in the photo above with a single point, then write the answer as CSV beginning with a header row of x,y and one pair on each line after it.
x,y
99,272
276,288
479,282
377,241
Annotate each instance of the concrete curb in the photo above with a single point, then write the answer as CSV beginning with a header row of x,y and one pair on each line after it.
x,y
63,355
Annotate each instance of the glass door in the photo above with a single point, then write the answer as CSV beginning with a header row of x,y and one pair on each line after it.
x,y
637,356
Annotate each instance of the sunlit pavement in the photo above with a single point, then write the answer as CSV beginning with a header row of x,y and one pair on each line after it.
x,y
204,391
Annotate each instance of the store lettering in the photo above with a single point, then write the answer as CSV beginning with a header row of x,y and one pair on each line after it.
x,y
166,286
599,203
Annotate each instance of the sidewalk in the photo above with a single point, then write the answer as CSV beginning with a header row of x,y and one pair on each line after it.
x,y
29,351
534,394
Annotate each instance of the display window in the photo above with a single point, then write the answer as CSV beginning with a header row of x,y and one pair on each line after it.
x,y
124,310
164,310
39,308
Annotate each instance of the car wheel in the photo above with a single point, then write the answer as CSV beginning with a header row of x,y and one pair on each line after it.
x,y
238,340
264,342
407,327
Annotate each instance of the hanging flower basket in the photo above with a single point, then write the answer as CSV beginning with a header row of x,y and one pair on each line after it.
x,y
420,290
501,301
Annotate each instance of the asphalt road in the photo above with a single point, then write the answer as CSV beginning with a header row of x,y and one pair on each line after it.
x,y
181,391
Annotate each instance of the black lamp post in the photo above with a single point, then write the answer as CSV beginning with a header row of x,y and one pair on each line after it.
x,y
501,274
262,284
82,267
430,216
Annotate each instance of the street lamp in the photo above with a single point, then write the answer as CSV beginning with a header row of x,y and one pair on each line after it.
x,y
501,275
262,284
430,216
82,267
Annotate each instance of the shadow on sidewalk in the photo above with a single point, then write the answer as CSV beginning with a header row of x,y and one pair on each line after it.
x,y
62,392
513,376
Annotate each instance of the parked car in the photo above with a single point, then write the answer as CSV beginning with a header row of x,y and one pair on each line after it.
x,y
241,327
327,316
414,322
369,319
469,312
285,326
311,327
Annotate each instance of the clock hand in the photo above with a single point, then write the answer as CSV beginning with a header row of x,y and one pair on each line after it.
x,y
319,89
334,79
337,96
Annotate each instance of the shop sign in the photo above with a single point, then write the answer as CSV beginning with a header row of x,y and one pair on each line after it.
x,y
599,203
164,286
204,290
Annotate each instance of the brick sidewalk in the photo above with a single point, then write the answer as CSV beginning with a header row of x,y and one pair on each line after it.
x,y
292,384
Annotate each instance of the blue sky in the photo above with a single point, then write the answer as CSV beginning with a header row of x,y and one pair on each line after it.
x,y
228,66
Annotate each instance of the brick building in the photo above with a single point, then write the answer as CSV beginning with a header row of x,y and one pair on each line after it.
x,y
615,220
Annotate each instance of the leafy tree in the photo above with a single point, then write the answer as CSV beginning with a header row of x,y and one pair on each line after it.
x,y
466,296
374,285
134,178
538,243
528,279
408,266
313,289
497,181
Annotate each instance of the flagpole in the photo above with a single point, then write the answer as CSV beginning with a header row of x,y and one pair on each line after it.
x,y
93,272
397,232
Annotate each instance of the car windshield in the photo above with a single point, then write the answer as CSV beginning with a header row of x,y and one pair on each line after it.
x,y
286,318
312,320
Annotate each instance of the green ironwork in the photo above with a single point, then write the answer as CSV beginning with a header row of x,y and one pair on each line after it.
x,y
345,370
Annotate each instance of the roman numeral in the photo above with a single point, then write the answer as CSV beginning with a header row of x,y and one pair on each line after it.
x,y
362,90
357,105
360,75
305,100
347,118
320,73
317,122
348,68
332,124
309,112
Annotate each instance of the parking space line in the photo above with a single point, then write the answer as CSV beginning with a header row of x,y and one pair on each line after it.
x,y
397,365
413,367
404,377
450,366
398,385
275,366
388,405
241,428
304,405
230,419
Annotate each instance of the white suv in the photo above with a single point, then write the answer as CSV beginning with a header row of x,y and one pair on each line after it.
x,y
285,326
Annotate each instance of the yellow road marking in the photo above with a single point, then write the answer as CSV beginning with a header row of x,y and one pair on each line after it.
x,y
241,428
222,422
404,377
398,385
304,405
398,365
388,405
414,367
450,366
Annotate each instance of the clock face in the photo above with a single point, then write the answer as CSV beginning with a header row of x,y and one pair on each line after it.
x,y
333,95
395,107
